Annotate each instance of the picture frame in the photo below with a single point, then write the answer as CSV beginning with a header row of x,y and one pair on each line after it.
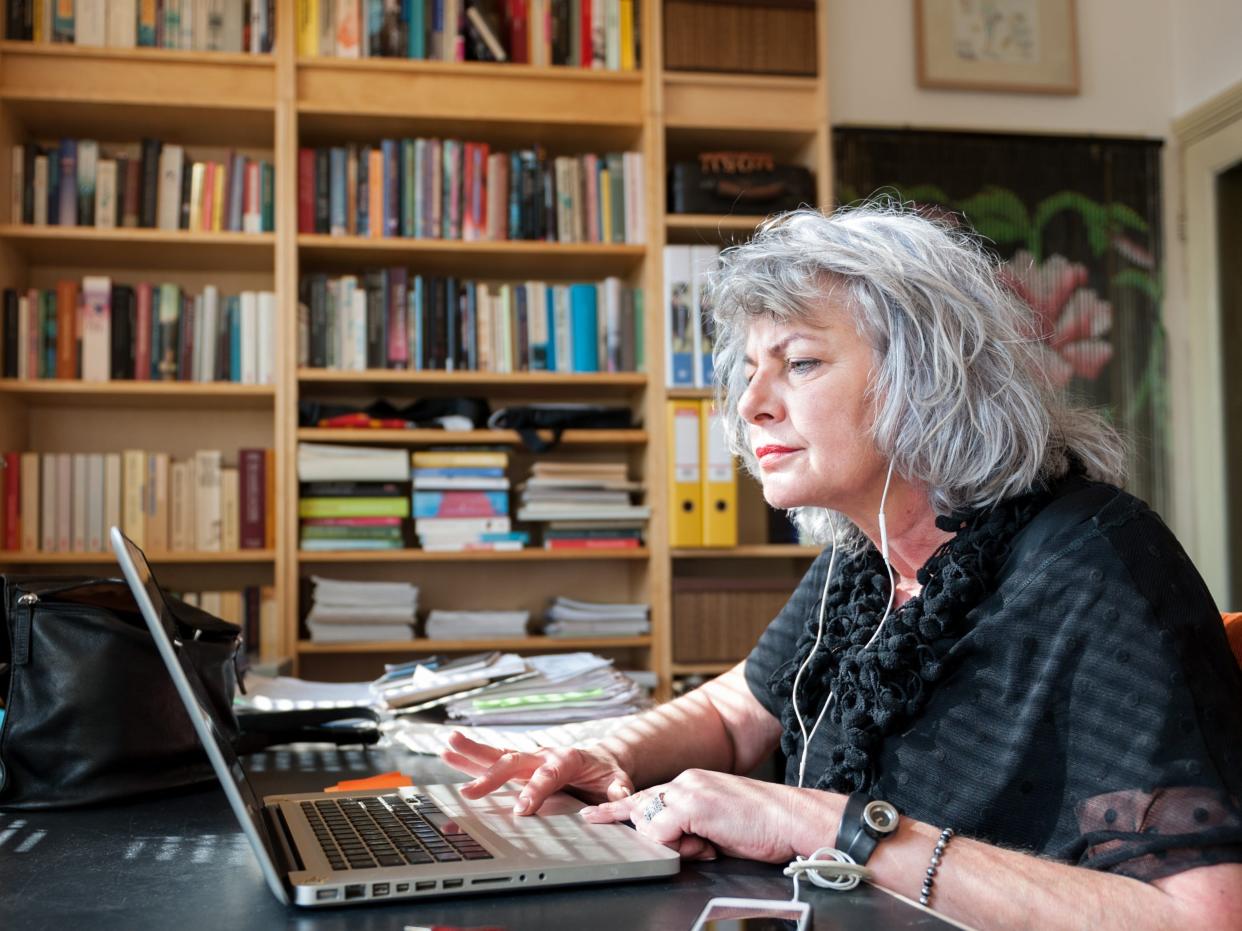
x,y
1009,46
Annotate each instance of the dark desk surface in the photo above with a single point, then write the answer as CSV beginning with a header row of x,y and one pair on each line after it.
x,y
183,864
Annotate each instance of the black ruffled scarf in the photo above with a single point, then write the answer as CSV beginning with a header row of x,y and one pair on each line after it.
x,y
878,690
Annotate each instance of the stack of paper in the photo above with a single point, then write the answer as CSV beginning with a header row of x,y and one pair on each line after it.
x,y
476,625
568,687
569,617
414,684
345,610
594,498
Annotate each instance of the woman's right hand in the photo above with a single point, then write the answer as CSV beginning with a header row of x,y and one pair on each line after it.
x,y
592,771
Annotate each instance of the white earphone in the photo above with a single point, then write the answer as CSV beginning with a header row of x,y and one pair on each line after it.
x,y
819,634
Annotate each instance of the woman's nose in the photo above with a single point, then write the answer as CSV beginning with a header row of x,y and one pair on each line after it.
x,y
757,403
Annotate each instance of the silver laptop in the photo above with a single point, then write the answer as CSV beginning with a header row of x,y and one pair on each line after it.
x,y
344,848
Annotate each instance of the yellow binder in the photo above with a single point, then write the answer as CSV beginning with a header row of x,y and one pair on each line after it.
x,y
685,493
719,481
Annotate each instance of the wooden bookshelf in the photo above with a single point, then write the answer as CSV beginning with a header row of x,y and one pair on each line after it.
x,y
514,644
108,558
56,392
142,248
270,105
756,551
468,437
530,554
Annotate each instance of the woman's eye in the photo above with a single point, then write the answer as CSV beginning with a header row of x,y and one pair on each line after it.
x,y
801,366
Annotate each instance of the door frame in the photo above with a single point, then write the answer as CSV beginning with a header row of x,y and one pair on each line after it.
x,y
1210,142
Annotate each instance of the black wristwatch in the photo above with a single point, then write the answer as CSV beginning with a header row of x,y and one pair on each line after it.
x,y
864,823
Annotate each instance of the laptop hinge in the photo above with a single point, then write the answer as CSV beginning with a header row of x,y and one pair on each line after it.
x,y
286,852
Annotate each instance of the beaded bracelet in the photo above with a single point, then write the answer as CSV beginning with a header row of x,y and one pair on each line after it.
x,y
945,836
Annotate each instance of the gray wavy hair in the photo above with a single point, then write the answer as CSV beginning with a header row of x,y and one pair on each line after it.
x,y
962,401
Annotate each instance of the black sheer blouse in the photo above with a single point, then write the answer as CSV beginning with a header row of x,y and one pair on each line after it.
x,y
1092,712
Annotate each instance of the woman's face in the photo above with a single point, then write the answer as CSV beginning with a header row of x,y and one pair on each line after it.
x,y
809,415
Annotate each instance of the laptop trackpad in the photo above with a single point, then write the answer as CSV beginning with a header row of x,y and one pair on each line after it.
x,y
557,830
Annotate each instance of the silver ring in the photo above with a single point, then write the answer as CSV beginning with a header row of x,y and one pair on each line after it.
x,y
654,808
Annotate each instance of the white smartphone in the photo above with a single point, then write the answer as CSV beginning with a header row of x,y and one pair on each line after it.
x,y
753,915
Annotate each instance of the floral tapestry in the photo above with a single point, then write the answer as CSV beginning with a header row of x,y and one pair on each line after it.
x,y
1076,223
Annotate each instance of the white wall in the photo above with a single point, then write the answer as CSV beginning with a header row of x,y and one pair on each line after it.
x,y
1124,49
1206,56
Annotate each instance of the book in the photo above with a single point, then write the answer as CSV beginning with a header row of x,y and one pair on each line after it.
x,y
96,328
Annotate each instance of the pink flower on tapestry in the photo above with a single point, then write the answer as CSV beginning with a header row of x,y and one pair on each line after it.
x,y
1070,318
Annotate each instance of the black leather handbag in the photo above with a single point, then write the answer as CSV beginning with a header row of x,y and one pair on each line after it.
x,y
91,714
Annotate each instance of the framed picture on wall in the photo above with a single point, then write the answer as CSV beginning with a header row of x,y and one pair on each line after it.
x,y
1023,46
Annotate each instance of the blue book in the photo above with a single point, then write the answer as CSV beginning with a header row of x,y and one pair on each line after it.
x,y
458,472
415,318
584,319
47,301
388,148
461,503
53,188
414,13
472,327
363,225
232,310
515,196
337,220
157,331
550,354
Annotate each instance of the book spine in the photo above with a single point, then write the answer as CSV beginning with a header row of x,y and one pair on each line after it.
x,y
252,494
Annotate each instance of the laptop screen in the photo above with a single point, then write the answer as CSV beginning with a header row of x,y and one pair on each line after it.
x,y
224,761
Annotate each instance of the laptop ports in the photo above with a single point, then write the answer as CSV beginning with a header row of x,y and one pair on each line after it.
x,y
379,889
355,891
453,883
323,895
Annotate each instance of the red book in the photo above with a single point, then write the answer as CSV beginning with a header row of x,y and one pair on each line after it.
x,y
207,206
591,543
586,32
306,190
519,40
143,326
252,498
12,498
66,329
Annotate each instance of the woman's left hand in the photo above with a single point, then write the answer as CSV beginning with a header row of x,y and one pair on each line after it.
x,y
700,812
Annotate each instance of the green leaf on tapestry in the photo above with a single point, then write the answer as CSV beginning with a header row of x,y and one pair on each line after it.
x,y
1126,217
846,194
1095,217
997,213
1141,281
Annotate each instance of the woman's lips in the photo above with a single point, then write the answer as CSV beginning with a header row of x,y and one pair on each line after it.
x,y
771,454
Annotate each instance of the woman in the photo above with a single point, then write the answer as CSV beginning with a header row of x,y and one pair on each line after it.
x,y
1035,665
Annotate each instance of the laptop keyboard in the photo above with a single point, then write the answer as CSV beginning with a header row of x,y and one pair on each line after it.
x,y
387,830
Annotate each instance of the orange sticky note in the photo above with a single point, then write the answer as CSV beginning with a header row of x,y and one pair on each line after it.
x,y
392,780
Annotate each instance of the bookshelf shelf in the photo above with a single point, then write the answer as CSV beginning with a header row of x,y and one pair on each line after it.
x,y
55,392
146,249
689,394
532,554
711,222
469,437
503,101
517,644
494,259
757,551
97,90
10,557
741,102
425,383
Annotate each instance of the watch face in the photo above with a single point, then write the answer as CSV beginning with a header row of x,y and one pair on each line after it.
x,y
880,817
